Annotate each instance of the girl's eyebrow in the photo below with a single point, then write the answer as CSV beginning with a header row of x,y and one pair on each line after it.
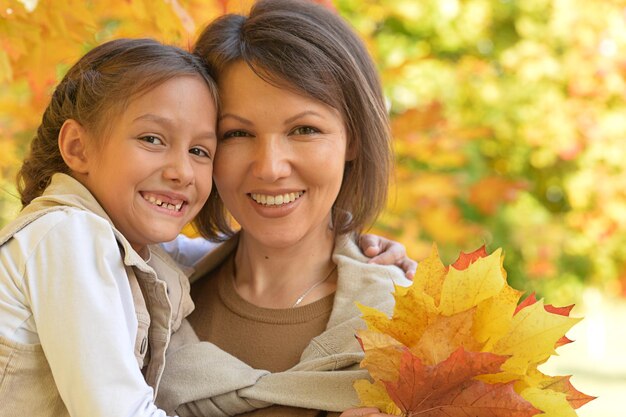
x,y
155,118
169,123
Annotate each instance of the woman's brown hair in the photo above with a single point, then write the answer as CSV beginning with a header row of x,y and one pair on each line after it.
x,y
305,47
94,91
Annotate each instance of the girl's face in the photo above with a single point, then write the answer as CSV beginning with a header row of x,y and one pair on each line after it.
x,y
280,159
152,173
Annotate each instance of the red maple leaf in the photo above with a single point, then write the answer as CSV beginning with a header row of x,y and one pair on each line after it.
x,y
448,390
466,259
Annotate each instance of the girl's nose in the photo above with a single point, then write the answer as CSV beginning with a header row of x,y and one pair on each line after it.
x,y
179,169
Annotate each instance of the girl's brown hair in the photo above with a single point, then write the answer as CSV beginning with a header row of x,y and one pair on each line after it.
x,y
94,91
305,47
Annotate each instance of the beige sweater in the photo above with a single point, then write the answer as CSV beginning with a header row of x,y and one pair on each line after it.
x,y
202,380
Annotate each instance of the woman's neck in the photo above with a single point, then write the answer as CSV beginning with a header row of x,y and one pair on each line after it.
x,y
278,277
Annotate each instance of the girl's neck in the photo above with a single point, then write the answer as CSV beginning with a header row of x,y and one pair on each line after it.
x,y
277,277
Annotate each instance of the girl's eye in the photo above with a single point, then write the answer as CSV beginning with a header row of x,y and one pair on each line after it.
x,y
235,134
199,152
305,130
151,139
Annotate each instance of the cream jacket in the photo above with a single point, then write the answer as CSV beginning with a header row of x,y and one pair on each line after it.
x,y
202,380
82,315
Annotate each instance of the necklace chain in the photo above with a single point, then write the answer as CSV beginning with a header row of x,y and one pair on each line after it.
x,y
312,287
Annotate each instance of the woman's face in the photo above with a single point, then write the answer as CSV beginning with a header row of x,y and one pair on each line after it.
x,y
280,159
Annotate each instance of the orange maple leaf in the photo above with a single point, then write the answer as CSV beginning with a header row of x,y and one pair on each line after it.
x,y
562,384
447,389
466,259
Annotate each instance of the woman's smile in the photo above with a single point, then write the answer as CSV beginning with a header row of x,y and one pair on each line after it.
x,y
276,205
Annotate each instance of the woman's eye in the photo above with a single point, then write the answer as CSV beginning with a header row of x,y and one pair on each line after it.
x,y
305,130
235,134
199,152
151,139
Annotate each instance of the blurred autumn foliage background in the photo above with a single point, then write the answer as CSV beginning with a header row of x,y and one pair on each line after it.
x,y
509,118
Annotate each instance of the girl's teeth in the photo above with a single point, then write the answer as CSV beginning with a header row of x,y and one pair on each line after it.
x,y
160,203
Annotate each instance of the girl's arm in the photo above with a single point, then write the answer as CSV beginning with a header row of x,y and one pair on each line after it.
x,y
187,251
84,314
387,252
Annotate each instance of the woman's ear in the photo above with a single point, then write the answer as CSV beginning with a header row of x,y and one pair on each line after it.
x,y
351,150
73,146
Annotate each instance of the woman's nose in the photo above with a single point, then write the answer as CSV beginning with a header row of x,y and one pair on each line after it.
x,y
271,161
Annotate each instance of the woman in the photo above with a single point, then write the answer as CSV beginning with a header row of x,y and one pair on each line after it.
x,y
302,165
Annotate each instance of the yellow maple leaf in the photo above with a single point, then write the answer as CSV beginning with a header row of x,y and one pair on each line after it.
x,y
532,337
459,293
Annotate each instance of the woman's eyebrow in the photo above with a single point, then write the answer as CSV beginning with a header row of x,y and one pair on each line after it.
x,y
303,114
234,116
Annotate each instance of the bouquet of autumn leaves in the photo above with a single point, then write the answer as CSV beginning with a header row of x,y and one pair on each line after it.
x,y
458,344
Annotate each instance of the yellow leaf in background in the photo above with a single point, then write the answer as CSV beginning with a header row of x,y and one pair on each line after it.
x,y
6,73
465,289
236,6
8,154
489,193
444,223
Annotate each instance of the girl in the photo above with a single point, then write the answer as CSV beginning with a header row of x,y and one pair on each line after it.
x,y
122,160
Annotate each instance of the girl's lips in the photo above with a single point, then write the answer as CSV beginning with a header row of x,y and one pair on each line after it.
x,y
168,203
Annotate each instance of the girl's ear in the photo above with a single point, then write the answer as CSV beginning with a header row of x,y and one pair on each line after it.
x,y
73,146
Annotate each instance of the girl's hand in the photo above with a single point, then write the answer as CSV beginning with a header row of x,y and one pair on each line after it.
x,y
364,412
387,252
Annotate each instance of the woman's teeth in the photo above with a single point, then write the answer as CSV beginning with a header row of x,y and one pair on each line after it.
x,y
157,202
276,200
